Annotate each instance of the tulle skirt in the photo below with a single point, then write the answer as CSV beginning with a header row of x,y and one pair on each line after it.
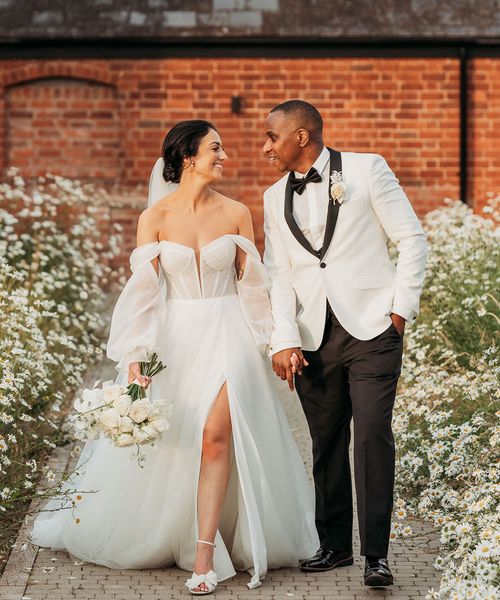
x,y
132,517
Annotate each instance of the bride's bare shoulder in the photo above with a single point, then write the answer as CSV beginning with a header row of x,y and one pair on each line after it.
x,y
148,214
157,209
148,221
237,208
240,216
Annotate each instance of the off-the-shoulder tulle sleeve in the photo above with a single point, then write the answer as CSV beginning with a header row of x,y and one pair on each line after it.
x,y
253,291
138,311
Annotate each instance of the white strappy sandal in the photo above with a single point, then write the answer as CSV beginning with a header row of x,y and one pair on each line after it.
x,y
209,579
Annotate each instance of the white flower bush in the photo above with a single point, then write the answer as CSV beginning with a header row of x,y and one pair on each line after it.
x,y
52,273
447,414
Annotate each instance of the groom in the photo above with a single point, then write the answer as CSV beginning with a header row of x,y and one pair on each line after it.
x,y
340,305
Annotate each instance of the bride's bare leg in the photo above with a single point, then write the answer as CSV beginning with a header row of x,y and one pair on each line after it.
x,y
214,475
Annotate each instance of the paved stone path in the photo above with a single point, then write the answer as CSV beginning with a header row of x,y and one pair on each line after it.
x,y
33,574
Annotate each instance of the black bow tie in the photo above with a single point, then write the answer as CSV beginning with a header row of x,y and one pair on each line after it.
x,y
299,183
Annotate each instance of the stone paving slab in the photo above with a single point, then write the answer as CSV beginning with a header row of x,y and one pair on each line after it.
x,y
56,576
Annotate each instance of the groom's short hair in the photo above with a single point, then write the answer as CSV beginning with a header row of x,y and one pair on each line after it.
x,y
305,114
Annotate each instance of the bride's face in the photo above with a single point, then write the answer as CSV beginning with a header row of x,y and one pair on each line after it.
x,y
210,157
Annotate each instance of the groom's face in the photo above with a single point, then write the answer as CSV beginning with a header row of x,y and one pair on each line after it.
x,y
282,147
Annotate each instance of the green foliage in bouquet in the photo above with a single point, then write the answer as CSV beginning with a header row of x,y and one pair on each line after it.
x,y
148,369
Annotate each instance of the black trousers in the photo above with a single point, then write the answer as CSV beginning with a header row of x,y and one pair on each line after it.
x,y
350,378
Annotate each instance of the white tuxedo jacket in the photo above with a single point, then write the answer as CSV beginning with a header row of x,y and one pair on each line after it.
x,y
356,274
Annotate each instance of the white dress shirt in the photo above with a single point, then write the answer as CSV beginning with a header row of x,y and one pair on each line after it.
x,y
310,209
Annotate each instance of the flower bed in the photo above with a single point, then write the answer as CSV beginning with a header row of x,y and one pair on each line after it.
x,y
52,273
447,414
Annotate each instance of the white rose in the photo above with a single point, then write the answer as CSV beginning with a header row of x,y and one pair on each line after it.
x,y
160,408
126,425
110,419
90,399
150,432
78,405
122,404
79,423
160,424
337,190
110,392
124,440
140,410
140,437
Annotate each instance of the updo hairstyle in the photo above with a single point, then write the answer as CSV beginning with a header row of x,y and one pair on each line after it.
x,y
181,142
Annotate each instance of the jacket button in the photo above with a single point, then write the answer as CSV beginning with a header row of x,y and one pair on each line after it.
x,y
322,265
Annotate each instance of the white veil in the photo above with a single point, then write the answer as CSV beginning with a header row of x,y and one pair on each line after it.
x,y
158,187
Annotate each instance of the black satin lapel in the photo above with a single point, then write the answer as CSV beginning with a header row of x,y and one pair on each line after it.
x,y
333,209
292,223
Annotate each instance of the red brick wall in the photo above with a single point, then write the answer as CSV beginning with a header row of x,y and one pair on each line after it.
x,y
111,116
484,130
61,123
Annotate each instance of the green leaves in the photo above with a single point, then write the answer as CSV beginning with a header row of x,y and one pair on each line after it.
x,y
148,369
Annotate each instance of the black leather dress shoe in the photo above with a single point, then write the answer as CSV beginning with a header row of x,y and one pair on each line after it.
x,y
377,573
326,560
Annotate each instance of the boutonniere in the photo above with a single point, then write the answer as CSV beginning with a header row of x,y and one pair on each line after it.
x,y
337,187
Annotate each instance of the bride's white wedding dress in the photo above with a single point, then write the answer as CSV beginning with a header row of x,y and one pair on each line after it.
x,y
206,327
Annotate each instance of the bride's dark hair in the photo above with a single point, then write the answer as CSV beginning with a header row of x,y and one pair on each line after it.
x,y
181,142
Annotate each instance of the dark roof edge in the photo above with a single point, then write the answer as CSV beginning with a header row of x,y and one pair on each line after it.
x,y
244,47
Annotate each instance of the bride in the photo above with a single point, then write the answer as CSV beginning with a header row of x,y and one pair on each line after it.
x,y
225,487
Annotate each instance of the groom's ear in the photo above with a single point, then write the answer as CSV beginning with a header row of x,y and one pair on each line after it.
x,y
303,137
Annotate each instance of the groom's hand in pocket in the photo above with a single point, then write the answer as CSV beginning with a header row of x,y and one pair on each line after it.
x,y
285,367
399,323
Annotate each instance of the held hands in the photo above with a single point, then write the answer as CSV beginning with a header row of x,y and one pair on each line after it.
x,y
288,362
134,373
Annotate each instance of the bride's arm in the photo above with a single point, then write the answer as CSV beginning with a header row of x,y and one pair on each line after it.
x,y
252,283
147,232
134,324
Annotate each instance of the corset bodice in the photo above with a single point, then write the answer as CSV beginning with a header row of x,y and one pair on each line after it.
x,y
215,277
141,311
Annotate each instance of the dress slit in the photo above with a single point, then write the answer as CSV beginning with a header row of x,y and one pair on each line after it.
x,y
218,538
255,536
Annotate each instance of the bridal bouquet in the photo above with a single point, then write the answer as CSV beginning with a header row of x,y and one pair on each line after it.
x,y
123,415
